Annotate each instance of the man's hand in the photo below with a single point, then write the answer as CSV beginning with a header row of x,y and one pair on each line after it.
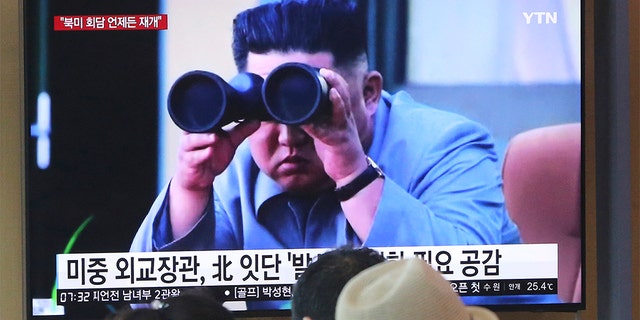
x,y
336,140
339,147
201,157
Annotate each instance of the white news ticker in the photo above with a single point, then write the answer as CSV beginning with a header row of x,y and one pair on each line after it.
x,y
282,266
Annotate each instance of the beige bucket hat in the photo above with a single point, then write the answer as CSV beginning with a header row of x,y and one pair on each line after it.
x,y
408,289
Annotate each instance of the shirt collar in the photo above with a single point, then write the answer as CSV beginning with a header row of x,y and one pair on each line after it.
x,y
379,127
265,188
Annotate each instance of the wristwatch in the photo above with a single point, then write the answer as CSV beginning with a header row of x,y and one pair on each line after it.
x,y
350,189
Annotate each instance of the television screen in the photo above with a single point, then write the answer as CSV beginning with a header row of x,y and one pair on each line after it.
x,y
460,144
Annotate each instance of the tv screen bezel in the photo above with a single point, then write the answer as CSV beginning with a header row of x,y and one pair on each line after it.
x,y
588,121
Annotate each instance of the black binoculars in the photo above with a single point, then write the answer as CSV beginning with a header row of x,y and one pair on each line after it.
x,y
293,93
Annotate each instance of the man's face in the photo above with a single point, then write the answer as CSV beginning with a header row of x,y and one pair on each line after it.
x,y
286,153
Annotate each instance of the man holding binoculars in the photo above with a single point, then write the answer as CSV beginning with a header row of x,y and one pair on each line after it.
x,y
376,169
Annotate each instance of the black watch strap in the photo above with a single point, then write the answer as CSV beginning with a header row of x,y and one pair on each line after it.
x,y
350,189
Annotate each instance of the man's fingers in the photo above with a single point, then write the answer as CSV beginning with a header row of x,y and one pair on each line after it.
x,y
196,157
336,81
340,111
240,132
196,141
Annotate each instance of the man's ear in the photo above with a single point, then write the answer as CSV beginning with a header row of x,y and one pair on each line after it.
x,y
372,90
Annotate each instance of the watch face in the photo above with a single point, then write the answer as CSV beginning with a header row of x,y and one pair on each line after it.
x,y
372,173
375,166
380,173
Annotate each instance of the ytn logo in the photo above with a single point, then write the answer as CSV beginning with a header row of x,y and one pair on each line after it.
x,y
541,17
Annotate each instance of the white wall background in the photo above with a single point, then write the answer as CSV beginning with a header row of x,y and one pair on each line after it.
x,y
490,42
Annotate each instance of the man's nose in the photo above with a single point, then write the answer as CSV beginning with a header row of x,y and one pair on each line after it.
x,y
291,136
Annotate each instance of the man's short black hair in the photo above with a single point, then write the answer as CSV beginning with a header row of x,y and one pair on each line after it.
x,y
311,26
316,292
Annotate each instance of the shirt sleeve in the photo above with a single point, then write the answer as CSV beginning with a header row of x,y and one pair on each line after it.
x,y
448,192
155,233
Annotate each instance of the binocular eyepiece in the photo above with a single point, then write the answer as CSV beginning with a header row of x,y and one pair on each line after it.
x,y
293,93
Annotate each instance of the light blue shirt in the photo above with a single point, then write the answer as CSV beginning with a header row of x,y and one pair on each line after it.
x,y
442,187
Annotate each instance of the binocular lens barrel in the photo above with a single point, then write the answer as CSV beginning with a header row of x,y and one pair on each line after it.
x,y
197,101
293,93
201,101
